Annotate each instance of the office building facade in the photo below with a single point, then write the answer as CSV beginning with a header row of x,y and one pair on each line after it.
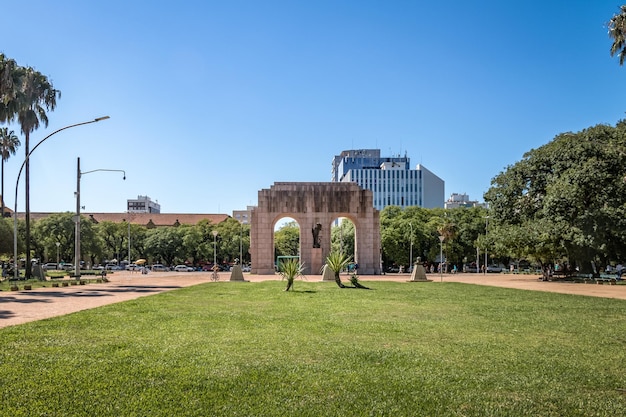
x,y
143,204
389,178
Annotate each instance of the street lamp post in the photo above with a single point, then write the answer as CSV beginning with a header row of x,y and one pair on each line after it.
x,y
486,218
241,244
58,244
79,174
215,233
411,250
17,182
129,258
477,260
441,239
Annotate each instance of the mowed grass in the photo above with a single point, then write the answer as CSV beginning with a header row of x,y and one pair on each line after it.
x,y
250,349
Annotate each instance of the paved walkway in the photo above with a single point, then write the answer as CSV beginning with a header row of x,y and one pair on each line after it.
x,y
25,306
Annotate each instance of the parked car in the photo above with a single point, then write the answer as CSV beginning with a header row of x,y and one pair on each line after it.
x,y
183,268
494,268
49,266
131,267
245,268
159,267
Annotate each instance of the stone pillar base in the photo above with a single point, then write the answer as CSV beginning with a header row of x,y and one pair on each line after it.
x,y
236,274
316,262
328,274
419,274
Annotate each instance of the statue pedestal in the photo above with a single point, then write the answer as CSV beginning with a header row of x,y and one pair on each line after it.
x,y
316,261
236,274
419,274
328,275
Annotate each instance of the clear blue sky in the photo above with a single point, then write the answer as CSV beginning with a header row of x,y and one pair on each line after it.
x,y
212,101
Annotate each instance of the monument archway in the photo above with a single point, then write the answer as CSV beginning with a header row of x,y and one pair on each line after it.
x,y
315,205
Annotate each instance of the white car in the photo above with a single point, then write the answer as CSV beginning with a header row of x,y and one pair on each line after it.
x,y
183,268
159,267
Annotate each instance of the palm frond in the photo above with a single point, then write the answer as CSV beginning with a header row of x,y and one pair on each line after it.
x,y
337,261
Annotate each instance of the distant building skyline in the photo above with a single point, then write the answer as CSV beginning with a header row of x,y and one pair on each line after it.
x,y
142,204
391,179
462,200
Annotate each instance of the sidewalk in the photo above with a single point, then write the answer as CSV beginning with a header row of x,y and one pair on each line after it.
x,y
25,306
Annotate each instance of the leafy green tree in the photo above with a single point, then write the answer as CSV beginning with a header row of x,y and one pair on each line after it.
x,y
137,242
570,197
342,237
461,227
164,244
8,145
58,227
192,244
287,240
204,251
61,228
231,237
91,246
393,238
114,238
617,32
6,238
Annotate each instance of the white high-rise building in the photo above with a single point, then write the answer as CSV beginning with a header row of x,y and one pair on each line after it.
x,y
390,179
457,200
143,204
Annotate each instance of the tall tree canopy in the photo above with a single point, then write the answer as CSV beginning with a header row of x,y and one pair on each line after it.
x,y
287,240
617,32
567,197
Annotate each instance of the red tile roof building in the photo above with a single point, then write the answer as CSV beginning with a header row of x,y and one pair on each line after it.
x,y
146,219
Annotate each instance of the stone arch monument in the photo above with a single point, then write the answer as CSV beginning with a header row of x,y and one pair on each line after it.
x,y
315,205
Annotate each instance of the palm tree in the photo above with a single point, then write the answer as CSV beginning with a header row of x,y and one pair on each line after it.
x,y
8,145
33,94
290,270
8,76
617,32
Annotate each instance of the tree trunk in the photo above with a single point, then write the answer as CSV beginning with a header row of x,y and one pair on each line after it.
x,y
2,186
338,281
27,206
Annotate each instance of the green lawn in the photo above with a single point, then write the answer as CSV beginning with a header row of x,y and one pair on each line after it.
x,y
250,349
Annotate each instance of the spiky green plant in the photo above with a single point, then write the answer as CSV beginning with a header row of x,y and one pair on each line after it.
x,y
290,270
354,280
337,262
